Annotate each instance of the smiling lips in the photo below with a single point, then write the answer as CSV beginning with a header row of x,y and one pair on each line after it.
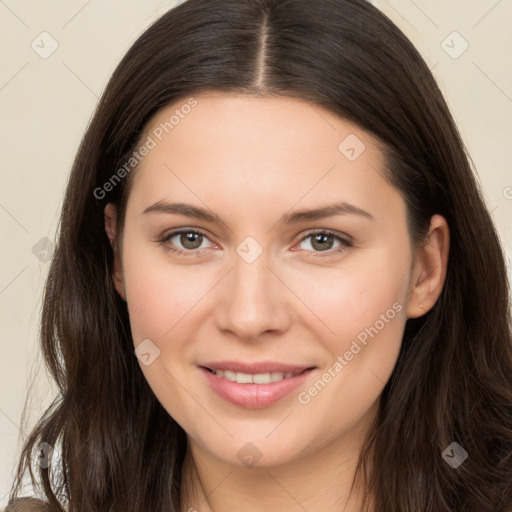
x,y
256,378
254,385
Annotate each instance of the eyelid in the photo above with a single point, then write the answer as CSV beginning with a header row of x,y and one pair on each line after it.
x,y
346,241
343,237
166,238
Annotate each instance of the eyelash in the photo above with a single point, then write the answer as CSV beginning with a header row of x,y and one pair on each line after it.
x,y
345,244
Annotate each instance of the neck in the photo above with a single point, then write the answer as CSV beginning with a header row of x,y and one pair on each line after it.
x,y
319,481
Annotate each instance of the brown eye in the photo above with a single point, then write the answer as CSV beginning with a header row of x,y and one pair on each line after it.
x,y
191,240
324,242
184,241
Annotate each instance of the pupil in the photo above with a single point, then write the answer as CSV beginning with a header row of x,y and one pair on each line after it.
x,y
322,238
191,238
319,239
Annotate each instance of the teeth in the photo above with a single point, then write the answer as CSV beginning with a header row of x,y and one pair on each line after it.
x,y
257,378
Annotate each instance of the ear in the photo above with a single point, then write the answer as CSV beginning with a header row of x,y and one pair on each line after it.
x,y
429,270
110,228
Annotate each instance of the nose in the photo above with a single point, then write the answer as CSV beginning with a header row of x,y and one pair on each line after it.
x,y
253,301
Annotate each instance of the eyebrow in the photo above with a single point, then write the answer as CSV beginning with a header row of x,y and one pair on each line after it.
x,y
188,210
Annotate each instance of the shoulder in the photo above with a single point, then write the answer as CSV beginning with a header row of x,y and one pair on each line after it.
x,y
26,505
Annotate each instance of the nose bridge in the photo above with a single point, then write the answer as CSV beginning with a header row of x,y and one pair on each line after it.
x,y
251,279
253,300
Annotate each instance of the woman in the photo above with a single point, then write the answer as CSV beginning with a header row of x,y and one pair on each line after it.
x,y
277,286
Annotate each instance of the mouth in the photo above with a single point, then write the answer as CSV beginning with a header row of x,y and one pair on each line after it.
x,y
254,386
254,378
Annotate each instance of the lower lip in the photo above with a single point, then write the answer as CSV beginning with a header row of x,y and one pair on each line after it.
x,y
254,396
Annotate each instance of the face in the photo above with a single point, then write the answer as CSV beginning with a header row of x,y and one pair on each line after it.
x,y
304,311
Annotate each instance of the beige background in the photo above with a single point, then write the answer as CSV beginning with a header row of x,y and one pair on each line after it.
x,y
46,104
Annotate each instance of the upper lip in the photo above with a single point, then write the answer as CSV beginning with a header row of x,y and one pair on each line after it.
x,y
256,367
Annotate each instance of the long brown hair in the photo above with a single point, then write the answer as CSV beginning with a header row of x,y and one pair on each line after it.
x,y
120,450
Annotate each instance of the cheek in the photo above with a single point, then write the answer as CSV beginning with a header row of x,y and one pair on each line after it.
x,y
363,313
161,295
364,306
163,300
360,292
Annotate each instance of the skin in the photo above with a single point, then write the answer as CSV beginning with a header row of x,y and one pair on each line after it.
x,y
251,160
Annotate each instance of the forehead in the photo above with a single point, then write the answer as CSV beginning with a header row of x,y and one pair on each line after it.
x,y
251,122
243,146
